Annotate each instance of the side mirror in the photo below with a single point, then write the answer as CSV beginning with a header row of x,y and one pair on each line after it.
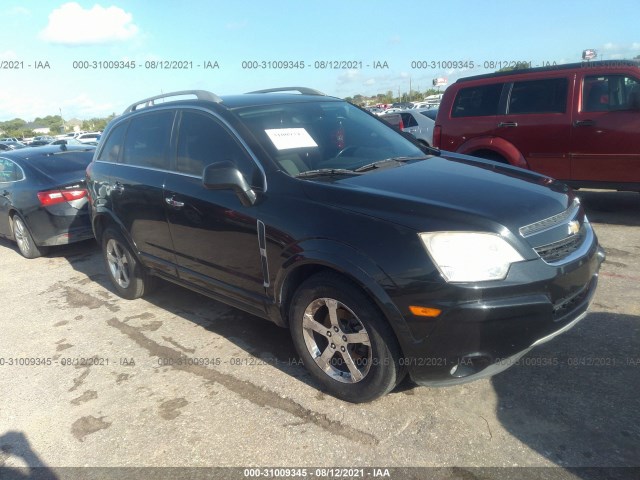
x,y
226,176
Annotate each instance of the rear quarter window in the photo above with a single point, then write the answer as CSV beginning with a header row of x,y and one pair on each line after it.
x,y
111,148
477,101
147,140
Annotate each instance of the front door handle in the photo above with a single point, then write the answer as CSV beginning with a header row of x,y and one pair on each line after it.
x,y
172,202
584,123
507,124
5,193
117,187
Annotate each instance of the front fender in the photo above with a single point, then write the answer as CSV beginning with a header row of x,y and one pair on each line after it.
x,y
311,255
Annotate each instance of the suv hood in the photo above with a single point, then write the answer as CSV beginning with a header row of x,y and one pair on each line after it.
x,y
448,192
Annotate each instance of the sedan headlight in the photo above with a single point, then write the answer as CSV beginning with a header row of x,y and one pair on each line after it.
x,y
470,256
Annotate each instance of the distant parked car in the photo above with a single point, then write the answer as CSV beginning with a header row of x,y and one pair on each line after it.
x,y
11,145
375,110
88,137
8,139
41,140
67,141
413,122
44,199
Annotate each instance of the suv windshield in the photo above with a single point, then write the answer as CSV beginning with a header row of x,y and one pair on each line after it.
x,y
304,137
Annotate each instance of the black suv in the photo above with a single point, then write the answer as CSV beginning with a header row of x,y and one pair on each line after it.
x,y
381,257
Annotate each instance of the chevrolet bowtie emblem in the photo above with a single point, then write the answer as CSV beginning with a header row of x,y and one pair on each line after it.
x,y
574,227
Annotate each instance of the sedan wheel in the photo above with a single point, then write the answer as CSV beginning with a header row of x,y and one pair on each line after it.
x,y
26,245
343,339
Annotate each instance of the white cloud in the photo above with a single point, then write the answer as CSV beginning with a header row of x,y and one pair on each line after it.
x,y
71,24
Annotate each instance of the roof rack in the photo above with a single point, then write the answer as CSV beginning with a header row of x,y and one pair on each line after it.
x,y
302,90
200,95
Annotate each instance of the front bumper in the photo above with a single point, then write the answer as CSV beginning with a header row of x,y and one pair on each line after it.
x,y
484,332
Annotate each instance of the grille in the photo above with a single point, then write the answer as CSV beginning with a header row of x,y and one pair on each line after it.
x,y
551,222
557,251
567,304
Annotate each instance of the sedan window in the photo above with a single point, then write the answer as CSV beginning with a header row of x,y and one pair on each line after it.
x,y
9,171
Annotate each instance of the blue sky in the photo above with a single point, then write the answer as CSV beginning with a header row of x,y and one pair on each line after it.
x,y
310,31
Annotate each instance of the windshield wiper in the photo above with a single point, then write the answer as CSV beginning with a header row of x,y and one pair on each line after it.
x,y
326,171
387,161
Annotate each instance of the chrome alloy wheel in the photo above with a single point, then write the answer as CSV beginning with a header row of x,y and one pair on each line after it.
x,y
118,263
337,340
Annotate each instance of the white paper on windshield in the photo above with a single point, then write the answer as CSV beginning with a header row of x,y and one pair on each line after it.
x,y
286,138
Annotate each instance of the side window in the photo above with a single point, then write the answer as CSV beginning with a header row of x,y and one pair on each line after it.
x,y
111,149
147,140
408,120
9,171
539,96
202,140
610,92
477,101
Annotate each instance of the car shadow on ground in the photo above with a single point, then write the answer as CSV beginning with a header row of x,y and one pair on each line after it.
x,y
610,207
575,399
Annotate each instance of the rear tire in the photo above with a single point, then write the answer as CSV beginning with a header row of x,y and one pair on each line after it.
x,y
24,239
127,275
343,339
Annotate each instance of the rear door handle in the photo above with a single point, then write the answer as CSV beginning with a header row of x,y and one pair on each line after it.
x,y
5,193
172,202
507,124
584,123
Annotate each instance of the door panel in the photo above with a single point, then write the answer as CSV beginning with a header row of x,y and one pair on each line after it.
x,y
137,184
538,123
605,137
214,237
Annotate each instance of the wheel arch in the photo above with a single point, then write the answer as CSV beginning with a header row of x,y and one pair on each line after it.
x,y
351,265
495,146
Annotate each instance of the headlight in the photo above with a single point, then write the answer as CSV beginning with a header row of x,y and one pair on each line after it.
x,y
470,256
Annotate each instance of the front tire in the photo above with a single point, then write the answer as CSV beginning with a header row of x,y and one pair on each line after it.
x,y
127,275
343,339
24,239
